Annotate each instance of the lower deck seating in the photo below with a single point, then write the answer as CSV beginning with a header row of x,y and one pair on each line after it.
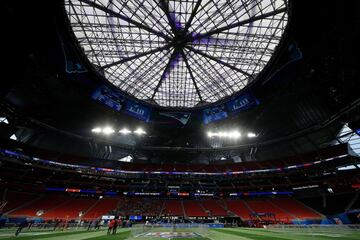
x,y
214,208
265,206
71,209
101,207
173,208
194,209
296,208
17,199
44,204
139,206
239,208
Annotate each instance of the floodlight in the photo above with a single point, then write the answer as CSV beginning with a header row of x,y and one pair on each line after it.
x,y
4,120
13,137
251,135
233,134
108,130
125,131
139,131
96,130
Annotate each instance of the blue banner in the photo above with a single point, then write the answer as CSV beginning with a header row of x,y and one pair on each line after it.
x,y
137,110
242,103
214,114
72,61
109,98
182,117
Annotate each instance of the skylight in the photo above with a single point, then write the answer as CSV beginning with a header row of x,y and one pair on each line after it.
x,y
178,53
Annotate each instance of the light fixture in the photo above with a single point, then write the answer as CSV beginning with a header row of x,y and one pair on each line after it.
x,y
4,120
96,130
139,131
13,137
108,130
210,134
126,159
251,135
231,134
234,134
125,131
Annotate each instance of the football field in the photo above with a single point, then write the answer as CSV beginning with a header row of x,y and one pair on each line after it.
x,y
214,234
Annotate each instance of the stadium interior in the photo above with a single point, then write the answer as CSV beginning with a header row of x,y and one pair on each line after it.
x,y
186,119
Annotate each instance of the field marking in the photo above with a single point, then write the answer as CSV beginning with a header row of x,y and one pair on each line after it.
x,y
229,236
10,234
81,236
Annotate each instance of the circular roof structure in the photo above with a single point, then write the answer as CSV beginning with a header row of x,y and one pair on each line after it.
x,y
178,53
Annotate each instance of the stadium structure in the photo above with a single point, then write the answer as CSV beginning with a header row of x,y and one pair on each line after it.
x,y
186,119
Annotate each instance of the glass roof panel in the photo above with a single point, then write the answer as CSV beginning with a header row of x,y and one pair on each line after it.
x,y
178,53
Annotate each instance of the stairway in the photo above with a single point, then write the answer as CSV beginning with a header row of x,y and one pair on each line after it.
x,y
183,208
352,202
24,205
205,210
301,203
282,209
87,210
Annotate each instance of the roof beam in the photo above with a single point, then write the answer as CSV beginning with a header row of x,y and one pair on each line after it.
x,y
124,18
191,74
123,60
85,33
241,23
193,13
163,75
164,5
218,61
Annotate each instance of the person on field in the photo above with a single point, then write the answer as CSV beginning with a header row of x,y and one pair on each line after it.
x,y
115,226
21,226
111,226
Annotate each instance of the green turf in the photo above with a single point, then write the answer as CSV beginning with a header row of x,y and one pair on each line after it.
x,y
119,236
214,234
33,234
262,234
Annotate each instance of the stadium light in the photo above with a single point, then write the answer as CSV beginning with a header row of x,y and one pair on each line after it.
x,y
234,134
4,120
251,135
139,131
108,130
96,130
13,137
124,131
126,159
223,134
